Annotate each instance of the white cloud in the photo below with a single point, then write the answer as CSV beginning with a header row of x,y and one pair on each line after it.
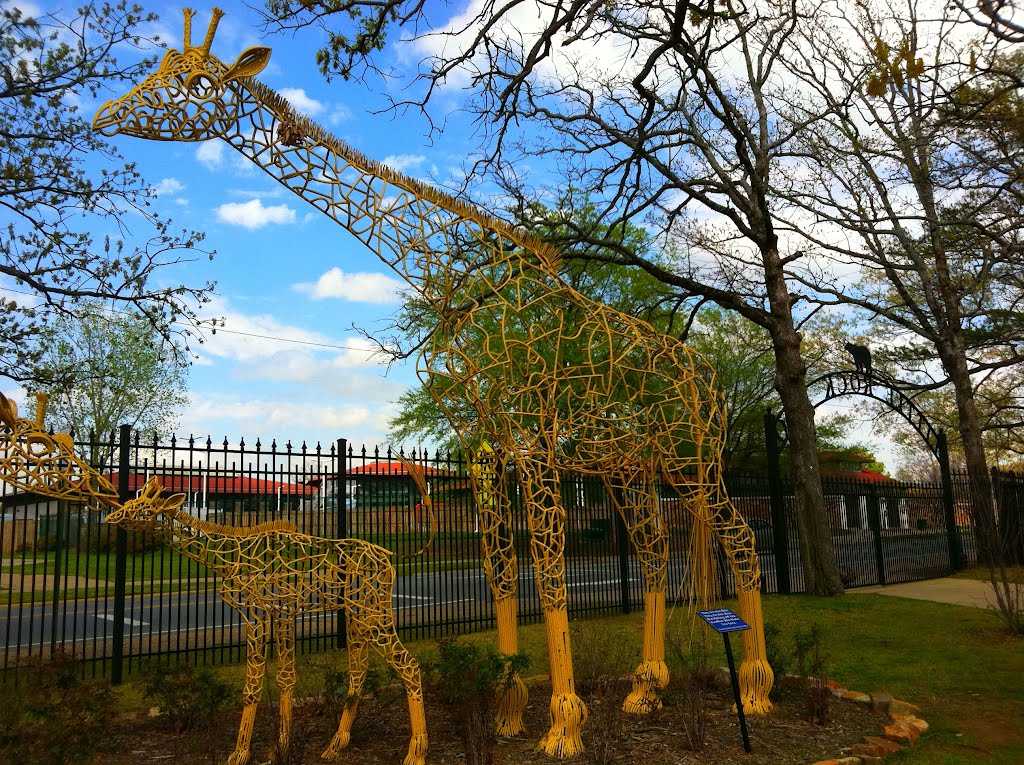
x,y
357,287
251,337
303,104
403,162
168,186
255,416
253,214
339,114
211,154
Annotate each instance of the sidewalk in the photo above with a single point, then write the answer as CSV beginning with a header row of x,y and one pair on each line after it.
x,y
963,592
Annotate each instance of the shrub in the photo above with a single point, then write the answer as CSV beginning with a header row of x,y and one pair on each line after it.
x,y
779,658
467,678
53,717
189,697
381,692
694,680
812,667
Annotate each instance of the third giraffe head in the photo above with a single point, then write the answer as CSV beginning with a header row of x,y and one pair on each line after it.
x,y
192,96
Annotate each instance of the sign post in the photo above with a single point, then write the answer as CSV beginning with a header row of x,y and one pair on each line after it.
x,y
724,621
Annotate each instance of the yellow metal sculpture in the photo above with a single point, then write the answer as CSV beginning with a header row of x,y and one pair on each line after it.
x,y
554,382
271,574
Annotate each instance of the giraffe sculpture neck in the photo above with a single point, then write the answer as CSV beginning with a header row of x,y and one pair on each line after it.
x,y
194,537
392,214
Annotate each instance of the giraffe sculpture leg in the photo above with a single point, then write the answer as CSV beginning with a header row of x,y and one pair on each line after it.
x,y
637,503
546,518
358,664
755,675
284,635
500,566
385,640
256,633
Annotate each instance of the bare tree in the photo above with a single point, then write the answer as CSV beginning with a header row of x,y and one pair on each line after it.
x,y
893,183
665,111
60,182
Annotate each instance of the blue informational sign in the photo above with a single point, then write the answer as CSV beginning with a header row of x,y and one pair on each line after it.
x,y
723,620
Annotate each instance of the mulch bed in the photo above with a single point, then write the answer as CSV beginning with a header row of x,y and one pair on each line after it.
x,y
783,737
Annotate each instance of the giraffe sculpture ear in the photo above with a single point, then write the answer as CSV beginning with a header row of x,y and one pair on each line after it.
x,y
173,502
8,411
251,61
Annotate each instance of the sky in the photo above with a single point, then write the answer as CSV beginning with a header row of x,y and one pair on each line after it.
x,y
287,362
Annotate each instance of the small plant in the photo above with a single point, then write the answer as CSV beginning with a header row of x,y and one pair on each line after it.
x,y
602,664
778,658
467,678
694,680
812,667
188,696
53,717
381,692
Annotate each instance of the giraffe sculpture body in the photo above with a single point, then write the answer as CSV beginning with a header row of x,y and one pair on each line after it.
x,y
591,390
270,574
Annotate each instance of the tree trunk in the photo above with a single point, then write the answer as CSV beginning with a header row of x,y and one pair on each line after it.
x,y
954,360
821,571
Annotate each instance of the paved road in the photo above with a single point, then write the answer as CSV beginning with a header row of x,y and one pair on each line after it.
x,y
165,621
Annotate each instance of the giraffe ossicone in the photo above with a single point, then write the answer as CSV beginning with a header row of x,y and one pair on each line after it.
x,y
560,385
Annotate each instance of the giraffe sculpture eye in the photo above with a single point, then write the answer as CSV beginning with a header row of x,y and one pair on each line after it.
x,y
200,85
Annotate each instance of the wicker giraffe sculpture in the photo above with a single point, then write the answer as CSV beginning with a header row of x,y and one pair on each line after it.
x,y
271,574
601,393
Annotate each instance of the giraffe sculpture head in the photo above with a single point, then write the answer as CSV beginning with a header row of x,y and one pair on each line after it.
x,y
35,461
143,512
192,96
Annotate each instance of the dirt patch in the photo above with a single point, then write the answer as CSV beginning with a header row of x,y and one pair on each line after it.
x,y
783,737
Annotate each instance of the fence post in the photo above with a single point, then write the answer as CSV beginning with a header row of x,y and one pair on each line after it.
x,y
341,508
61,507
780,532
120,557
956,555
622,537
875,522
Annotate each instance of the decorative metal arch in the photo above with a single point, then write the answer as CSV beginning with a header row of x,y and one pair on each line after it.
x,y
846,382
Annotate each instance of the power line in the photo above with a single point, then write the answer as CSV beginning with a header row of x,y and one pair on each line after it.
x,y
222,329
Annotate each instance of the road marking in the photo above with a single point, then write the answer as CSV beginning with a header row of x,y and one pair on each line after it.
x,y
130,622
591,584
410,597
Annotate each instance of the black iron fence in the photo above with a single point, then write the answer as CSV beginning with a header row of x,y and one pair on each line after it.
x,y
117,599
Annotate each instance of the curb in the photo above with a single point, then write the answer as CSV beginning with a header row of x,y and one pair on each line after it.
x,y
903,730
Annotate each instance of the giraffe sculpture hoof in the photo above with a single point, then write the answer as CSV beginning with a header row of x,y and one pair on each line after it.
x,y
338,743
417,750
648,678
239,757
511,705
568,714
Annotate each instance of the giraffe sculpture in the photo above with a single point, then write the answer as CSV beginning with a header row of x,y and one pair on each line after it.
x,y
601,394
270,573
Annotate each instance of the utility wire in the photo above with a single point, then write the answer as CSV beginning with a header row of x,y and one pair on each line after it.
x,y
217,329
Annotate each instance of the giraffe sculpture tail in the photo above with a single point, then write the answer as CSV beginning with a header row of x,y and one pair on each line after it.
x,y
418,476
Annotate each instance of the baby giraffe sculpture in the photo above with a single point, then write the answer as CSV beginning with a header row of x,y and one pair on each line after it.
x,y
270,574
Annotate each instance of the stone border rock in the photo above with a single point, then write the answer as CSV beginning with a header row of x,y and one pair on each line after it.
x,y
904,730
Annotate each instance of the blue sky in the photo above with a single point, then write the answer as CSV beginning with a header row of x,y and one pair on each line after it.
x,y
290,283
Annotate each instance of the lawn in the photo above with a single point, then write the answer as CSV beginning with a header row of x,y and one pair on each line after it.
x,y
957,663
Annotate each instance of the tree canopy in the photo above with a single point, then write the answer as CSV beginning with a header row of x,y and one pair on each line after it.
x,y
124,373
60,183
